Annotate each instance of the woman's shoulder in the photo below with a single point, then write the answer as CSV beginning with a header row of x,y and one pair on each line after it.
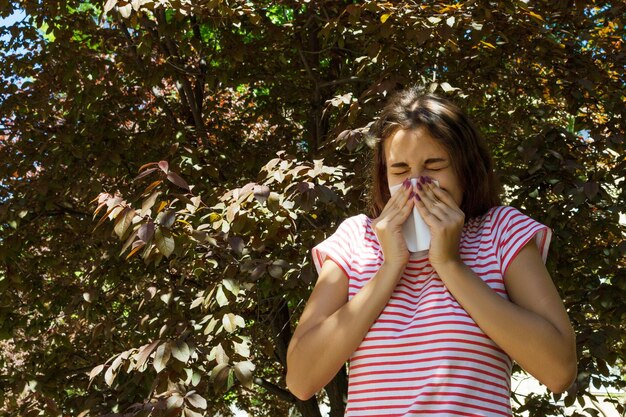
x,y
354,225
500,213
493,219
358,222
505,219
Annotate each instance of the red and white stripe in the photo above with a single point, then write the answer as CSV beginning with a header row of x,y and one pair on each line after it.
x,y
424,354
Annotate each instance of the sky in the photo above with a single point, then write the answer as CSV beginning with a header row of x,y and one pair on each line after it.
x,y
8,21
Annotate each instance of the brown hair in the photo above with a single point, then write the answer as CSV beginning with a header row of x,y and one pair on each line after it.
x,y
445,122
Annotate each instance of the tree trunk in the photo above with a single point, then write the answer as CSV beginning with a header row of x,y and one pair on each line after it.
x,y
337,391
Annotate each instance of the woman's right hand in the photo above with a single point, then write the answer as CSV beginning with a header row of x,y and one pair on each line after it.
x,y
388,226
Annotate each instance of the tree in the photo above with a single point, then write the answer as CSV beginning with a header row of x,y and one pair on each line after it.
x,y
221,141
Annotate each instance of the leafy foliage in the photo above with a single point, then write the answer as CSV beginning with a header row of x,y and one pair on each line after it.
x,y
223,140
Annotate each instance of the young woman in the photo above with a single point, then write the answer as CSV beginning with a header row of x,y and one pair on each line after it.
x,y
432,332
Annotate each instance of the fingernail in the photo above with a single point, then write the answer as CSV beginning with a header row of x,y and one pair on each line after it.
x,y
407,184
429,180
419,186
417,198
423,180
412,194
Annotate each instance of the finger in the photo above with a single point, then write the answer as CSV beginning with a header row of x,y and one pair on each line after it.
x,y
431,203
443,196
400,211
428,197
429,217
397,200
404,211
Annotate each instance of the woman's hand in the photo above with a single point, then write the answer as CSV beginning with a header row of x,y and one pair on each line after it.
x,y
388,226
444,219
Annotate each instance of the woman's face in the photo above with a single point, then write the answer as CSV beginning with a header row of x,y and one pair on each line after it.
x,y
413,153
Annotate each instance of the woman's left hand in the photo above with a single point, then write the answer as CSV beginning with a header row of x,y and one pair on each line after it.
x,y
445,221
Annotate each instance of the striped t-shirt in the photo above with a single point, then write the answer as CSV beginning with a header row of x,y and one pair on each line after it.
x,y
424,355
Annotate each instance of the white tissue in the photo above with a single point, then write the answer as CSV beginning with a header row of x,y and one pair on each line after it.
x,y
415,230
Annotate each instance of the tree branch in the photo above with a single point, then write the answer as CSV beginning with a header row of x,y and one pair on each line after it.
x,y
201,80
166,108
187,90
276,390
342,81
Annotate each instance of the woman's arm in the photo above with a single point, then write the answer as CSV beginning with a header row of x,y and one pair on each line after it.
x,y
331,329
532,328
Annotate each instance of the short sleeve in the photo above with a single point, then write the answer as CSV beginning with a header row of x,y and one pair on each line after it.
x,y
338,247
514,231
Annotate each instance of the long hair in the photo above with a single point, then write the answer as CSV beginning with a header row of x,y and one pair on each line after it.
x,y
445,122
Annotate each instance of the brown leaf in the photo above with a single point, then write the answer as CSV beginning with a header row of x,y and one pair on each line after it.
x,y
162,356
135,249
129,241
237,244
232,211
175,401
243,371
261,192
591,189
109,375
164,166
103,218
152,186
220,355
176,179
95,371
144,166
219,374
146,231
110,4
144,353
190,413
145,174
196,400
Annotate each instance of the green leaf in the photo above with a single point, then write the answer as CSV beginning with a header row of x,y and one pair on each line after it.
x,y
180,350
166,218
231,285
164,241
196,378
220,297
123,221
